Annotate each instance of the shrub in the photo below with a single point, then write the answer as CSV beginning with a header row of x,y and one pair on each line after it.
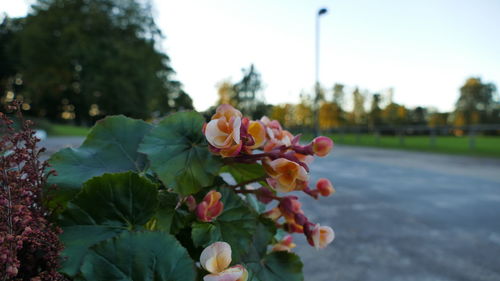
x,y
29,244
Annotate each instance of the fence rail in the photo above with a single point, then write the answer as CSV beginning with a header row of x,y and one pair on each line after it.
x,y
471,131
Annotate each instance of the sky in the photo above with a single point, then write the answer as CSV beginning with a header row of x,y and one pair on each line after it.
x,y
424,50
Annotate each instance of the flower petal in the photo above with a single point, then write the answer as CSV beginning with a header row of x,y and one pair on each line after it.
x,y
216,257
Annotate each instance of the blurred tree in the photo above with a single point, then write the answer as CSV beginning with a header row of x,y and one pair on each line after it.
x,y
418,116
303,116
245,91
227,95
476,103
374,117
338,94
330,115
10,80
280,112
83,59
358,114
394,114
437,119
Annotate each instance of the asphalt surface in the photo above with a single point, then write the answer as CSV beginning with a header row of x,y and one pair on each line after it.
x,y
406,216
399,215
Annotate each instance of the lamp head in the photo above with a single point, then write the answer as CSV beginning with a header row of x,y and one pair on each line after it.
x,y
322,11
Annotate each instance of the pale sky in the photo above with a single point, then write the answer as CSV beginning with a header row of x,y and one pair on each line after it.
x,y
423,49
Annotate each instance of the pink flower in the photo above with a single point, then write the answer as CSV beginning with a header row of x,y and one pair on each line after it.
x,y
325,187
322,146
211,207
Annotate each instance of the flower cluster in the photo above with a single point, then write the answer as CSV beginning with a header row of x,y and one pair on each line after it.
x,y
216,259
29,244
285,161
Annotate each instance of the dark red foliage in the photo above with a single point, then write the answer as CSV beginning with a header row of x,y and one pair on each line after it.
x,y
29,243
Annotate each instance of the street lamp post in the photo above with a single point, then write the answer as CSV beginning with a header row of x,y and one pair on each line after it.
x,y
321,12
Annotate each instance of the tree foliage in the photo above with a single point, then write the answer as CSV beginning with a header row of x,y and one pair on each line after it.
x,y
476,103
83,59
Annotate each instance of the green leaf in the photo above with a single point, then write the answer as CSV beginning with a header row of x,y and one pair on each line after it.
x,y
169,217
110,147
263,236
139,256
179,154
277,266
236,226
244,172
106,206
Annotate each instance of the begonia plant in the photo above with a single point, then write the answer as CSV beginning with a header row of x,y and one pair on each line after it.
x,y
187,199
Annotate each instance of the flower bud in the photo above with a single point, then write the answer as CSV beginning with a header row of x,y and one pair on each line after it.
x,y
320,236
265,195
211,207
322,146
191,203
325,187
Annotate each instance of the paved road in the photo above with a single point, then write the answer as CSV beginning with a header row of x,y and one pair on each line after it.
x,y
406,216
402,216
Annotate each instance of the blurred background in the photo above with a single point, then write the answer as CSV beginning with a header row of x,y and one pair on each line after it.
x,y
407,90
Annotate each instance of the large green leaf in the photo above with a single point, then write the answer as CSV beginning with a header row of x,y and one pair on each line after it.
x,y
236,226
277,266
106,206
179,154
139,256
263,236
110,147
170,217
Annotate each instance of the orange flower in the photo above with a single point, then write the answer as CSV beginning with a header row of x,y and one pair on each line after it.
x,y
287,174
211,207
223,131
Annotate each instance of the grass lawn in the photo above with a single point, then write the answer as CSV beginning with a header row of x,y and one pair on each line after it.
x,y
488,146
67,130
